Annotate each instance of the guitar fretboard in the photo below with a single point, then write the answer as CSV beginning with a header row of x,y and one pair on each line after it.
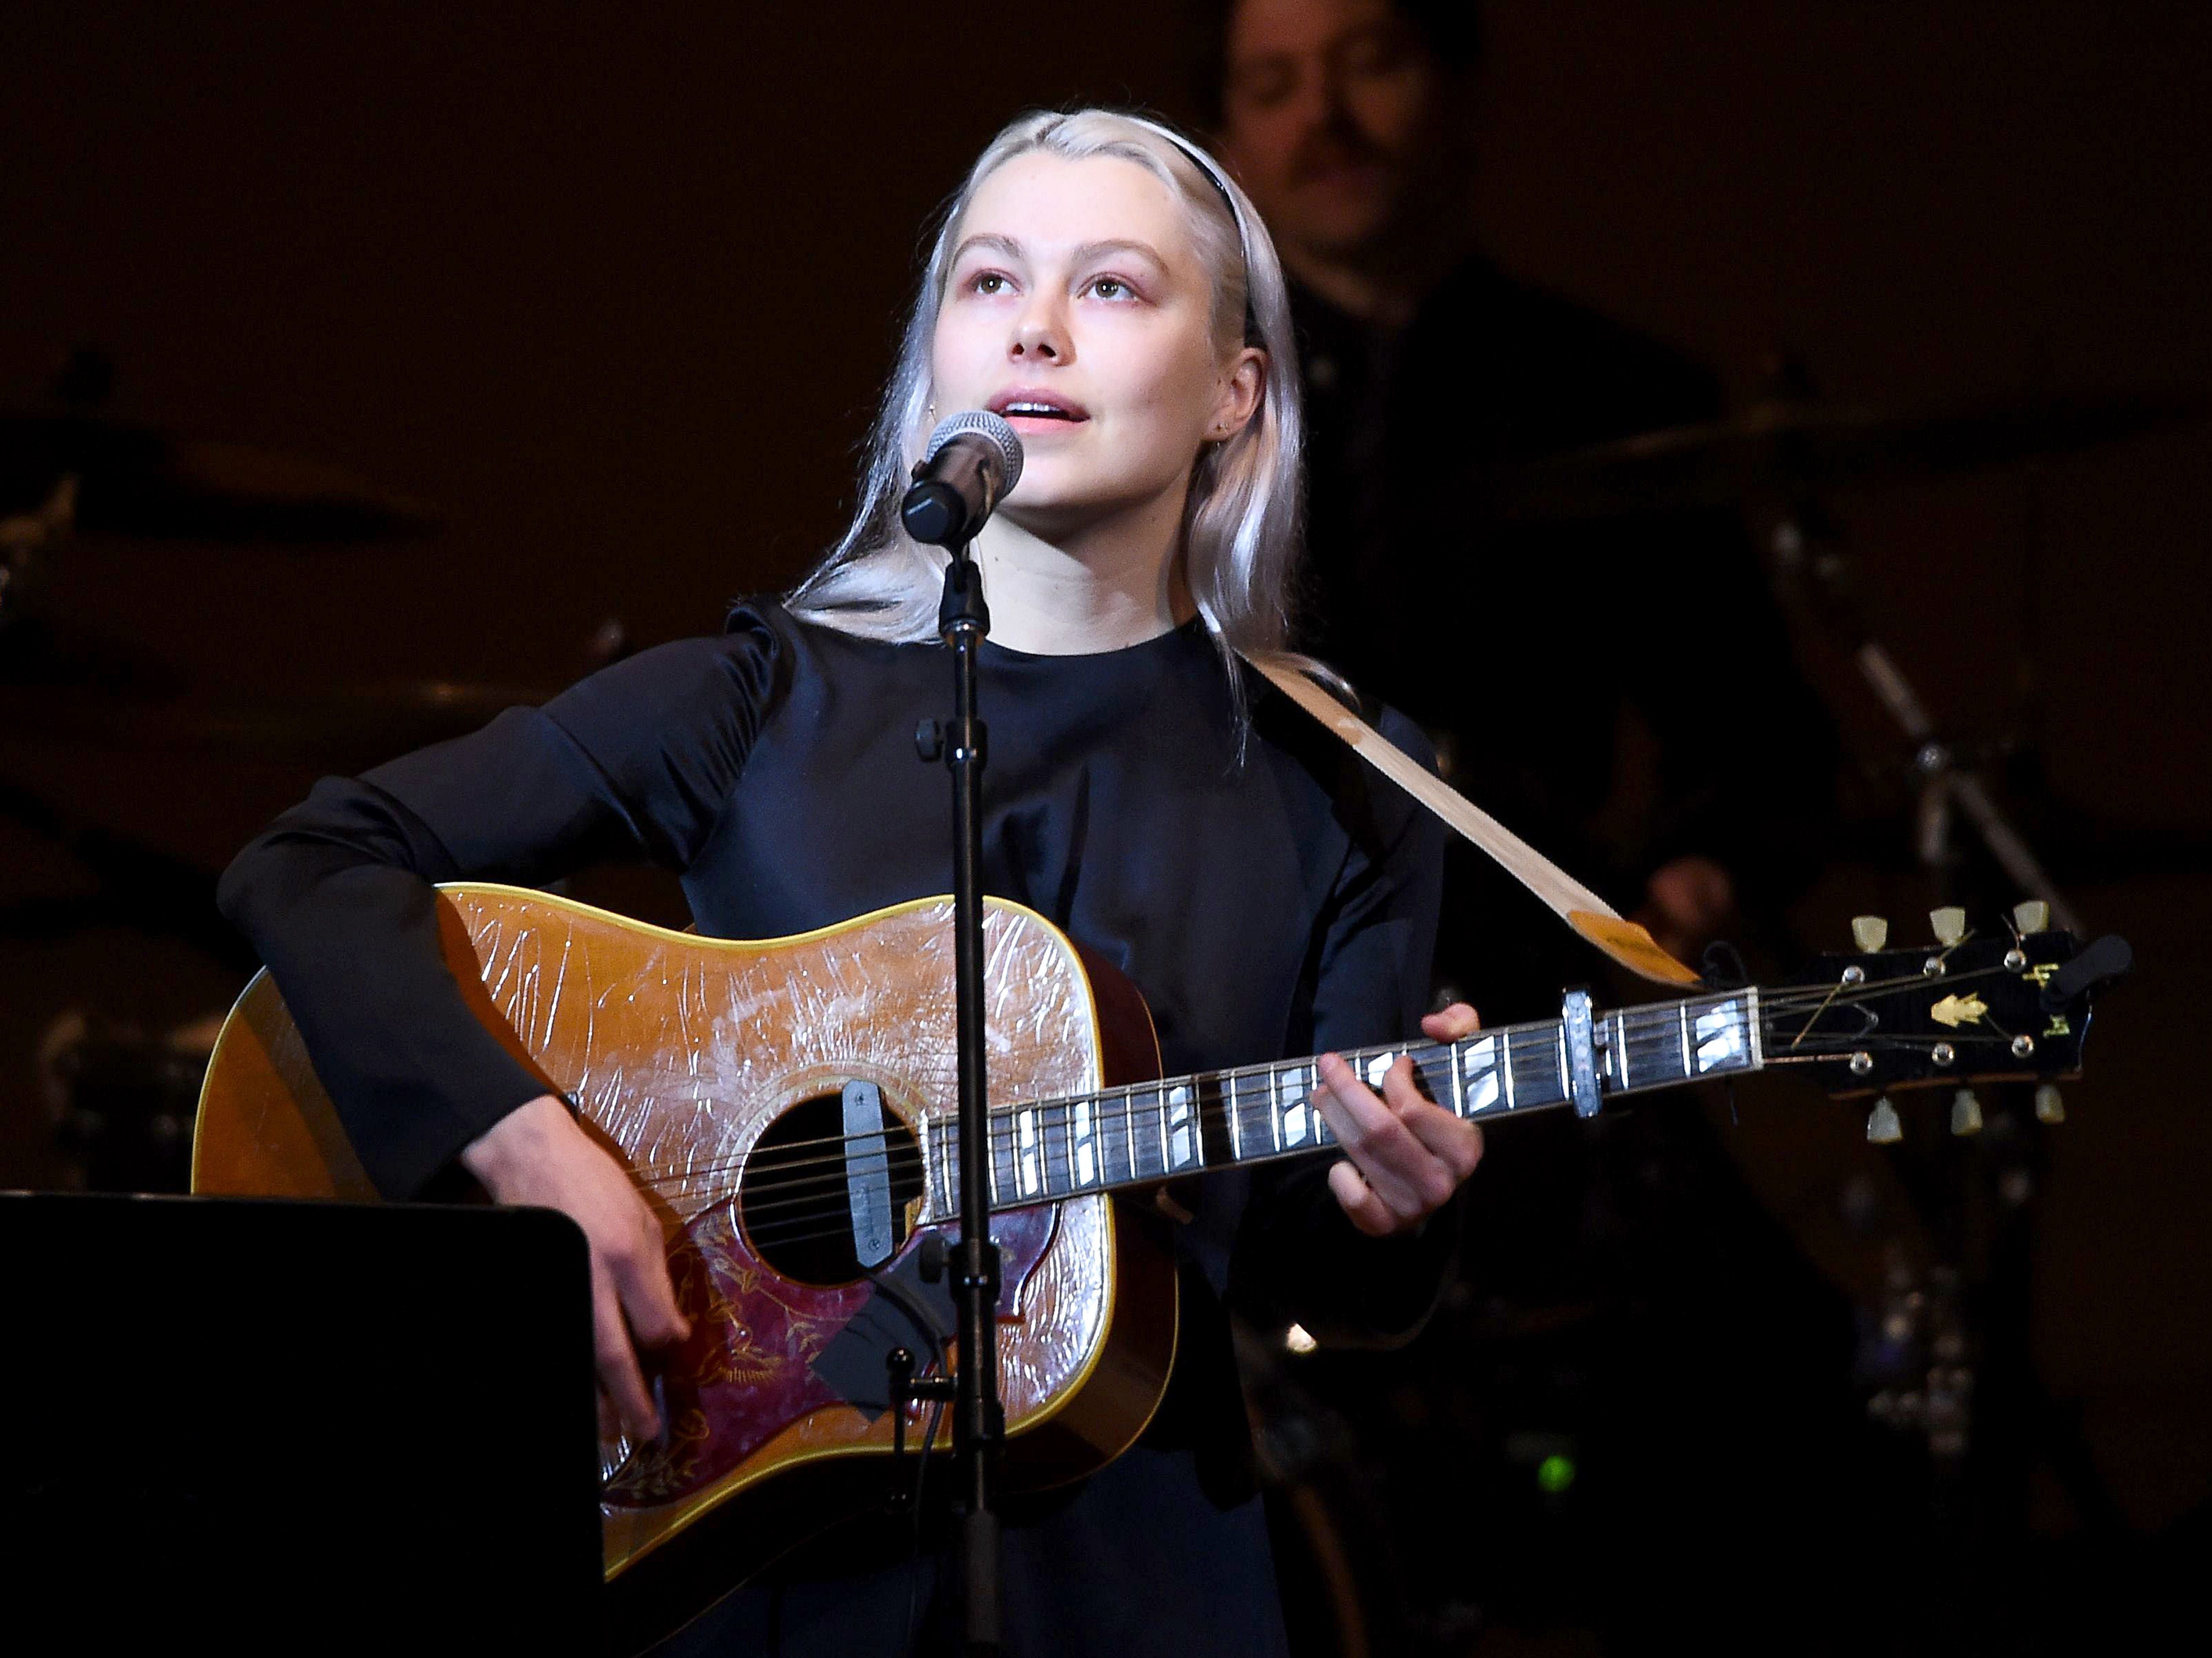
x,y
1045,1150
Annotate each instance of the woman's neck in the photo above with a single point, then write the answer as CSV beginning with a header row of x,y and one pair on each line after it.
x,y
1104,587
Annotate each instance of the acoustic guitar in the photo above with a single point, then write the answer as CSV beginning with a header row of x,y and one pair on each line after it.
x,y
786,1106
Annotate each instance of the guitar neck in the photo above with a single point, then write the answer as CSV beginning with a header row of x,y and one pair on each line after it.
x,y
1045,1150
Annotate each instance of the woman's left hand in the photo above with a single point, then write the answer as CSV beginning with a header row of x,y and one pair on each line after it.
x,y
1404,1155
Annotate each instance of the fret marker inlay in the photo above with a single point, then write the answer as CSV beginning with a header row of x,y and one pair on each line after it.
x,y
1480,1066
1086,1160
1183,1138
1297,1109
1720,1036
1028,1178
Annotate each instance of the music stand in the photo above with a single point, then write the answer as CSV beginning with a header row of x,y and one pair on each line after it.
x,y
296,1426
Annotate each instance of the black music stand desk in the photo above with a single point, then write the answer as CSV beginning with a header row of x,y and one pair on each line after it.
x,y
261,1425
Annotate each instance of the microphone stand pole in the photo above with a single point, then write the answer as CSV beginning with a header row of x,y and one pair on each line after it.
x,y
978,1417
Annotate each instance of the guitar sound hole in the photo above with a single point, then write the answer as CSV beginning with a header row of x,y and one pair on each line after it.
x,y
792,1200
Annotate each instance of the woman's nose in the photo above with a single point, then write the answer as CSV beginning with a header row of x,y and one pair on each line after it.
x,y
1040,332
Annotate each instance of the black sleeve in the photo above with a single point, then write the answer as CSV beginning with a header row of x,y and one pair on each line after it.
x,y
337,895
1298,1258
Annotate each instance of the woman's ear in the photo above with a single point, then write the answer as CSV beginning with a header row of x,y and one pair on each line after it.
x,y
1242,387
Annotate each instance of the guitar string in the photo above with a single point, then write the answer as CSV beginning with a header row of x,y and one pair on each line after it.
x,y
772,1224
1055,1138
1056,1116
1655,1028
1656,1031
815,1193
787,1230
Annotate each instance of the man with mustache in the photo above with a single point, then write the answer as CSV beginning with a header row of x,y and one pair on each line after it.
x,y
1520,644
1629,1297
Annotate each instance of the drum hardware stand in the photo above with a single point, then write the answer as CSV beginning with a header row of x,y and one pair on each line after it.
x,y
1946,789
1959,1403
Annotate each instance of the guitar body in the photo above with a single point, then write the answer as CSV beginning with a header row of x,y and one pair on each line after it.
x,y
717,1070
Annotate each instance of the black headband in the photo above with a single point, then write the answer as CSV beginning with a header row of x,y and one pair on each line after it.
x,y
1236,220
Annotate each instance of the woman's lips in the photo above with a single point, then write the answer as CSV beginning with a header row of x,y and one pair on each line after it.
x,y
1044,425
1037,411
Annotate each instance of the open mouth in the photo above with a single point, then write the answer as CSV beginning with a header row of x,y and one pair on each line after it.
x,y
1031,406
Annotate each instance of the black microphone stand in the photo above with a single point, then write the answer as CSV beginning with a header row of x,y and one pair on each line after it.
x,y
978,1417
978,460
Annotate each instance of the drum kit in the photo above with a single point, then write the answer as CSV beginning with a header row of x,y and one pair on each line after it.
x,y
120,1098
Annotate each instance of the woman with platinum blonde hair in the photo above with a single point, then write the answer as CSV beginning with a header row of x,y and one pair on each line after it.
x,y
1241,522
1100,285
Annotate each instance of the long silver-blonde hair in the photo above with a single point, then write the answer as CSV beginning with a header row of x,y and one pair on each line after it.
x,y
1241,523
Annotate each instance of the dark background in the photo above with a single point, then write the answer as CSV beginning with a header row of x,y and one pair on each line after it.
x,y
613,287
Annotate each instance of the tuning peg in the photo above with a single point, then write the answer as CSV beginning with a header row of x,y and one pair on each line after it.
x,y
1950,924
1966,1113
2032,916
2049,1106
1883,1125
1869,932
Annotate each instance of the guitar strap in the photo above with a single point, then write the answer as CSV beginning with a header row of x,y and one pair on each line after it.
x,y
1589,916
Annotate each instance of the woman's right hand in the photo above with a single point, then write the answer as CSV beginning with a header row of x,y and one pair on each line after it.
x,y
539,1154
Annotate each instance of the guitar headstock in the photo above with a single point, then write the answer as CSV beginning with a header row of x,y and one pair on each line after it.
x,y
2008,1002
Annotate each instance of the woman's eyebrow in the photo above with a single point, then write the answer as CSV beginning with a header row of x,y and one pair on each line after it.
x,y
1009,247
989,240
1091,251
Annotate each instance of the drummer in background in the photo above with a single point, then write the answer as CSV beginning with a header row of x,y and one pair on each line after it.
x,y
1624,1291
1520,645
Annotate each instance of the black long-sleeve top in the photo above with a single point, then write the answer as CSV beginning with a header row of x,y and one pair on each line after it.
x,y
1269,895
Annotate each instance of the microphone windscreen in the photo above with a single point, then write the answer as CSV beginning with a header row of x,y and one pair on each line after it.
x,y
989,427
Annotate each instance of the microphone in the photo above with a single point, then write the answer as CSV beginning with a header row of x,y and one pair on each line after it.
x,y
973,460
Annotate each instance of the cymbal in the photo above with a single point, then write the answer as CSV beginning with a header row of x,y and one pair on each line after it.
x,y
1788,447
137,481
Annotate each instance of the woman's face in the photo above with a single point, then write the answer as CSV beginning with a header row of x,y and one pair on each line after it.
x,y
1078,310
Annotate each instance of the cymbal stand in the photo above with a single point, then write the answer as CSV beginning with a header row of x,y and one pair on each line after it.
x,y
1947,789
1997,1413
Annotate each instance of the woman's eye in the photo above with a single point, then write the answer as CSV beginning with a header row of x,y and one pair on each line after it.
x,y
986,281
1109,288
